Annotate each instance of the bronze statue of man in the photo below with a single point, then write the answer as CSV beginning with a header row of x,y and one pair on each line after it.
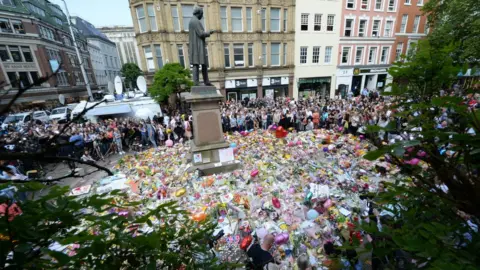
x,y
196,48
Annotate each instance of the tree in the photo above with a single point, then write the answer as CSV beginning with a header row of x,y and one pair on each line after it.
x,y
170,81
131,72
455,22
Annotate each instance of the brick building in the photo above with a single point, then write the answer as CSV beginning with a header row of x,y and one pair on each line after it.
x,y
34,41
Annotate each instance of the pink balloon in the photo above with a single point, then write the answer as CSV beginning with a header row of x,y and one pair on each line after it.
x,y
421,153
414,161
327,203
169,143
282,238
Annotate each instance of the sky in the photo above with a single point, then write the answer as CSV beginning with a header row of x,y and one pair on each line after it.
x,y
99,12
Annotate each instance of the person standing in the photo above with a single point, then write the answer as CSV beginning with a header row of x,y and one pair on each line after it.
x,y
118,141
151,133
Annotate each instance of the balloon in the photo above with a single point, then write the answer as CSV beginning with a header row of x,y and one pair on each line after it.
x,y
331,147
233,145
245,243
276,202
199,217
327,203
362,137
325,149
254,173
312,214
169,143
283,226
180,192
299,142
244,133
414,161
281,238
273,127
261,233
280,133
421,153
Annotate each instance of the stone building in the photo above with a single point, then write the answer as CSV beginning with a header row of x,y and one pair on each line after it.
x,y
251,55
127,46
34,41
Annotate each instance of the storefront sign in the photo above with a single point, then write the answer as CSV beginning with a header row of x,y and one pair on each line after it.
x,y
240,83
252,83
314,80
341,72
23,66
230,84
276,81
285,80
266,82
379,70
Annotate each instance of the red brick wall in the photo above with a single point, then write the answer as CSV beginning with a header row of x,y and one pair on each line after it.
x,y
41,55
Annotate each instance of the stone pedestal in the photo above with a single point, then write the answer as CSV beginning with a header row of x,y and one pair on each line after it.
x,y
209,151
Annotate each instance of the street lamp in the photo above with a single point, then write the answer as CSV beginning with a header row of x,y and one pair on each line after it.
x,y
82,68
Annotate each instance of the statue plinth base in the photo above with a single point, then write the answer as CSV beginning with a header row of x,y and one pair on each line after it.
x,y
210,153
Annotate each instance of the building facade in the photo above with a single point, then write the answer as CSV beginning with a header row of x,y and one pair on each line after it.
x,y
366,48
124,38
317,33
109,67
35,42
412,26
251,55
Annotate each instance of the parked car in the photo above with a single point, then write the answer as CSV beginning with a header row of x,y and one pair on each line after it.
x,y
17,119
41,116
61,114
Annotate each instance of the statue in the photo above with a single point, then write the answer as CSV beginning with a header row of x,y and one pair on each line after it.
x,y
196,48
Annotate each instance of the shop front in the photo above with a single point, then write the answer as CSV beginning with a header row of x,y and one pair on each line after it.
x,y
317,86
237,90
371,78
275,87
344,82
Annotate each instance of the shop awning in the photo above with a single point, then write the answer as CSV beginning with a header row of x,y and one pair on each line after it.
x,y
107,110
314,80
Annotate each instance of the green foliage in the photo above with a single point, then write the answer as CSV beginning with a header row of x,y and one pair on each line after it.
x,y
171,79
455,22
131,72
163,237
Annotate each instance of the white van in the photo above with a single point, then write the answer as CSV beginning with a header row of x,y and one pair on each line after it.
x,y
18,119
42,116
61,114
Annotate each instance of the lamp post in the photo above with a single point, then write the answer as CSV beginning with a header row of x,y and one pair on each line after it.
x,y
82,68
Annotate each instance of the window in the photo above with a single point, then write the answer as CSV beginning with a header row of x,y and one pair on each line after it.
x,y
57,20
384,55
62,79
420,3
359,55
238,58
427,27
304,22
275,19
362,26
364,4
388,29
264,20
142,23
23,78
27,54
12,77
226,52
47,33
250,55
316,54
317,25
35,9
351,4
376,28
408,2
379,4
348,27
176,19
330,23
187,13
284,54
249,19
5,26
372,55
303,55
15,52
7,3
148,58
391,5
4,54
158,52
264,54
285,19
237,24
151,17
345,55
181,56
34,76
18,27
328,54
275,54
224,19
416,23
403,26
